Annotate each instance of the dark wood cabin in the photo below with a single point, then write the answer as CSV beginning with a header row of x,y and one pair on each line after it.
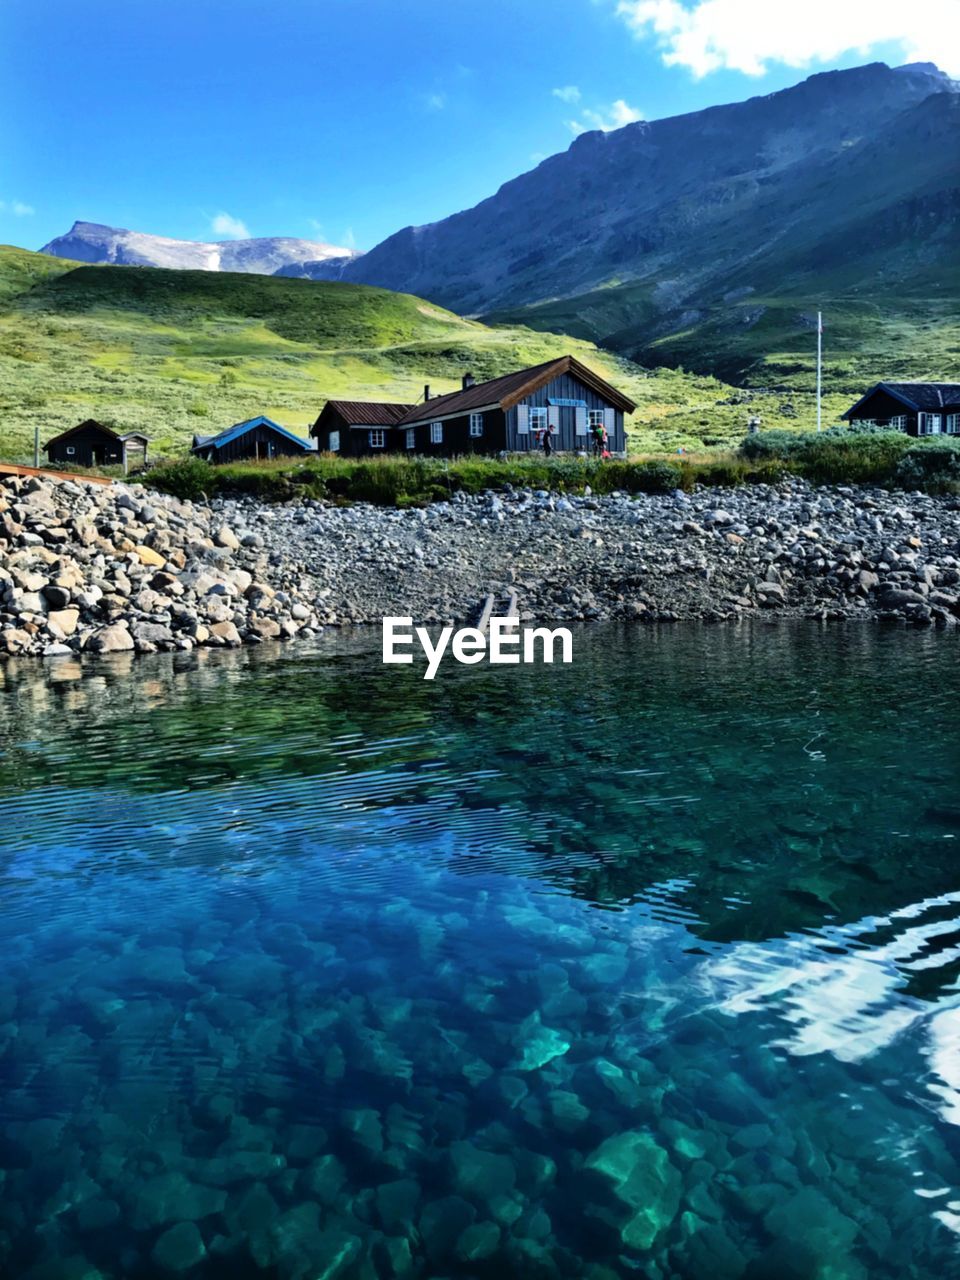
x,y
257,439
918,408
509,413
358,428
91,444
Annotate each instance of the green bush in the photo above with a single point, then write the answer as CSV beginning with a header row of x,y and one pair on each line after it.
x,y
836,456
932,464
733,471
188,478
654,476
773,444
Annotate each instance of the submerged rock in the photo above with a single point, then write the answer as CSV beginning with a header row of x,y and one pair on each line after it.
x,y
643,1179
480,1175
540,1044
179,1248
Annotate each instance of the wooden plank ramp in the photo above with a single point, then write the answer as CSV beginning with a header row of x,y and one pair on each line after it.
x,y
14,469
510,609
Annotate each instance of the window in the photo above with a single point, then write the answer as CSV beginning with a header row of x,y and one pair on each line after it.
x,y
70,450
899,423
538,418
411,438
334,442
595,419
953,424
436,433
476,424
377,438
928,424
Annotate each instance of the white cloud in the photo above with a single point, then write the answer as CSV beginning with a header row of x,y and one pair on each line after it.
x,y
606,119
569,93
435,101
17,208
749,35
316,226
223,224
348,240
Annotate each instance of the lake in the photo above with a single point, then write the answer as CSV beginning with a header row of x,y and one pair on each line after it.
x,y
646,966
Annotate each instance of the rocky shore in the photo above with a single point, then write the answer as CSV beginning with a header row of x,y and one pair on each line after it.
x,y
106,568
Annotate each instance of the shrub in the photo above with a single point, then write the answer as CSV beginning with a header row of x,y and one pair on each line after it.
x,y
188,478
652,476
835,456
733,471
931,464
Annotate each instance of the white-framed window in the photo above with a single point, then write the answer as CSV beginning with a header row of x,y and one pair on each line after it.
x,y
476,424
952,427
594,418
436,433
898,422
377,438
334,442
538,417
71,450
928,424
411,438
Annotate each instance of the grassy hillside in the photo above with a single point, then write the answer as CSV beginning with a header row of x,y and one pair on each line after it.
x,y
176,352
767,344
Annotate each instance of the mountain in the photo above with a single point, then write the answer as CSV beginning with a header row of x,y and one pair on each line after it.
x,y
843,185
92,242
174,352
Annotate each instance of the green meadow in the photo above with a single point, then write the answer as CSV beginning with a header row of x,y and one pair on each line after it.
x,y
174,353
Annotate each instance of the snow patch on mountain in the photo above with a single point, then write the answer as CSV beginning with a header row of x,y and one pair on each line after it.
x,y
93,242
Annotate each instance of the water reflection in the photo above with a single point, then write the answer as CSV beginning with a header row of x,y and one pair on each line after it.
x,y
647,965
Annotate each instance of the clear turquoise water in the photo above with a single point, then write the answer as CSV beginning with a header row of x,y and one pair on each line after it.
x,y
644,967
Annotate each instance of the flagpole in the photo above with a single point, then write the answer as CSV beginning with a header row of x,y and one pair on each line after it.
x,y
819,362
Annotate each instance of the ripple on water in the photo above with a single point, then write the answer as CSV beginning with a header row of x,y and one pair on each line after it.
x,y
645,966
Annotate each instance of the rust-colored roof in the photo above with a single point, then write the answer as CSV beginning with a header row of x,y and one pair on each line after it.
x,y
366,413
510,388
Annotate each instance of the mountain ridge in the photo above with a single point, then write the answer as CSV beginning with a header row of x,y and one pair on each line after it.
x,y
96,243
664,184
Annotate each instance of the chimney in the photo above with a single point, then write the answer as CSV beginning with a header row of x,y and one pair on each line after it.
x,y
468,381
426,391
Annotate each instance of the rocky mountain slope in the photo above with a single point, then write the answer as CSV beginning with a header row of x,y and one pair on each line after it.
x,y
92,242
844,184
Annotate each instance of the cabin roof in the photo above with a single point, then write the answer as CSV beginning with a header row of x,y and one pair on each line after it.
x,y
367,413
241,428
510,388
97,426
923,396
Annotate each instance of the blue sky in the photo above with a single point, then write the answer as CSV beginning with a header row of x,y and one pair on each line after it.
x,y
344,120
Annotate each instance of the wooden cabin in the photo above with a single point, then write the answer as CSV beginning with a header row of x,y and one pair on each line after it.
x,y
91,444
918,408
257,439
356,428
509,413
